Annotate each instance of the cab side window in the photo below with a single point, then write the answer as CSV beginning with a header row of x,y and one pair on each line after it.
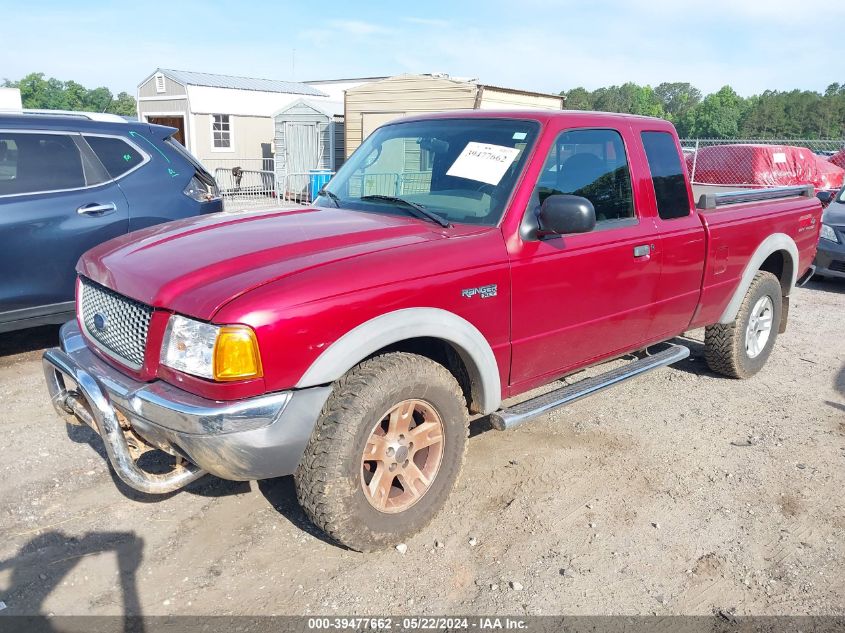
x,y
667,175
591,164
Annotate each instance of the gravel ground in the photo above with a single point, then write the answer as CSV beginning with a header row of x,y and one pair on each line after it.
x,y
679,493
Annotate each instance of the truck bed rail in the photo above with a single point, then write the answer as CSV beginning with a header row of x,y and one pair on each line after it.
x,y
714,200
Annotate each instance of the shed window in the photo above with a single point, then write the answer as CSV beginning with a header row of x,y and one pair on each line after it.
x,y
221,131
160,86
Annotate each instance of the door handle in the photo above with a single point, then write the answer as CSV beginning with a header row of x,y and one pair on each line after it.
x,y
643,250
96,209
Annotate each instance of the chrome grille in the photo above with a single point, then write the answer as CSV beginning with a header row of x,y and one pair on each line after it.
x,y
117,324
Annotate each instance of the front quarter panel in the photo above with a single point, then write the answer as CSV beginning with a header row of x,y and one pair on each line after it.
x,y
297,319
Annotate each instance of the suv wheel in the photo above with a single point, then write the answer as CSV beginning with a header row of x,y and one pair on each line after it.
x,y
386,451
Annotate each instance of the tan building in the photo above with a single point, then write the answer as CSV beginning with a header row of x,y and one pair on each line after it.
x,y
223,120
367,106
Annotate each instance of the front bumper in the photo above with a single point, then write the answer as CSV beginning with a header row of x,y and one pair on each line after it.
x,y
830,257
256,438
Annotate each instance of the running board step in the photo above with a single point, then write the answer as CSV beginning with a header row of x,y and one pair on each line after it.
x,y
505,419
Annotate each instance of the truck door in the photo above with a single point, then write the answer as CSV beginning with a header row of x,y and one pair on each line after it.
x,y
581,297
682,236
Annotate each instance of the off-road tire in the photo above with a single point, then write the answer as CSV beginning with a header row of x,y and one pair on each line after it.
x,y
724,344
328,480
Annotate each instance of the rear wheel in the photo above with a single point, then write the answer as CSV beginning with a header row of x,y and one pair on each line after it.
x,y
386,451
741,348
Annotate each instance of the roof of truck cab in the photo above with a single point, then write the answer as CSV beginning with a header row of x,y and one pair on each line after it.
x,y
542,116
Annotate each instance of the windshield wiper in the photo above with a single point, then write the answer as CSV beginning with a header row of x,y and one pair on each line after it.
x,y
415,209
332,196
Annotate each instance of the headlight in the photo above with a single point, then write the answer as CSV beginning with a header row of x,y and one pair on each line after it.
x,y
828,233
200,191
222,353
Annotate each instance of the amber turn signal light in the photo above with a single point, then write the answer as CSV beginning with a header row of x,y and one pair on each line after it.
x,y
236,354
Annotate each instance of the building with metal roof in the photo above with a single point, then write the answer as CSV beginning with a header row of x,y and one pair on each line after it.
x,y
226,121
210,80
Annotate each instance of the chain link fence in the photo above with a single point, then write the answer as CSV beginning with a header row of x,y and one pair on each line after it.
x,y
725,164
713,165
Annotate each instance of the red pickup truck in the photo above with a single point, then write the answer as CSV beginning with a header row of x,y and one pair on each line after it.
x,y
454,261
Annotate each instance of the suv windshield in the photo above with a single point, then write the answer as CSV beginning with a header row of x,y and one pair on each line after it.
x,y
462,170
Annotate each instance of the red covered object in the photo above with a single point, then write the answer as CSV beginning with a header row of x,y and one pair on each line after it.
x,y
830,176
763,166
838,159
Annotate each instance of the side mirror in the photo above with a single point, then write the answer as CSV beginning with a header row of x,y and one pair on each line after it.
x,y
561,214
826,197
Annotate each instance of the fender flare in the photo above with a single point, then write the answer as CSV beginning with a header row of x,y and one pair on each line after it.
x,y
394,327
772,244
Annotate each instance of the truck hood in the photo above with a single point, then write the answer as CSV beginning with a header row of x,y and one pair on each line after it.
x,y
195,266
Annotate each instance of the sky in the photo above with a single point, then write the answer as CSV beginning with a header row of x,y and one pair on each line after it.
x,y
542,45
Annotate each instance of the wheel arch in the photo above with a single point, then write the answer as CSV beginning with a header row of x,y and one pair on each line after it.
x,y
777,254
419,330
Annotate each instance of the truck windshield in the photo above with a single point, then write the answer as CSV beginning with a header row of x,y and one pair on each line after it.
x,y
462,170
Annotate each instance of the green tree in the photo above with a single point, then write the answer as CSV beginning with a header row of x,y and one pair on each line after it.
x,y
578,99
628,98
717,116
39,93
677,99
98,100
124,104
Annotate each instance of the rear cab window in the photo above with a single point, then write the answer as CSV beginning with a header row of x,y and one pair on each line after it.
x,y
667,175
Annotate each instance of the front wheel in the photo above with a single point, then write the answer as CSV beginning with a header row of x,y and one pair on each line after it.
x,y
386,451
741,348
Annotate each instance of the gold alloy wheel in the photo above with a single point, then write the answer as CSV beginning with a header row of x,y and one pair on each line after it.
x,y
402,456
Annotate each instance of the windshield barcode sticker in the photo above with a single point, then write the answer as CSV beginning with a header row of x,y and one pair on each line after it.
x,y
483,162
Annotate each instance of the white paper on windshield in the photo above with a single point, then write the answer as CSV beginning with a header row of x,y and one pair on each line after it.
x,y
779,157
483,162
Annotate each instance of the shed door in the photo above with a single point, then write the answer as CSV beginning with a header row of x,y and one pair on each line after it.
x,y
302,152
171,121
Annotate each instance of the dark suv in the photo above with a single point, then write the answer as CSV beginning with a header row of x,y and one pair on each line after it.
x,y
68,183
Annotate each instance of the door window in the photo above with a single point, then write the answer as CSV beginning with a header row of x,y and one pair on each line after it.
x,y
591,164
670,188
117,156
32,163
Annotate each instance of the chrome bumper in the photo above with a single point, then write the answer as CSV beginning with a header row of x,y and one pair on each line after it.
x,y
247,439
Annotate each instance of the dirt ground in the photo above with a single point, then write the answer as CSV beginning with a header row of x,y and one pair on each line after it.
x,y
679,493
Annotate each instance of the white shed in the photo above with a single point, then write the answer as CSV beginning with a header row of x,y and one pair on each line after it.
x,y
308,135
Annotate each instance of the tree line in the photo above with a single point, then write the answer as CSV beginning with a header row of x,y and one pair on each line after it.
x,y
39,93
796,114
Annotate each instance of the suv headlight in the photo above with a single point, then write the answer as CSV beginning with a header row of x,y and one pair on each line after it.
x,y
828,233
216,352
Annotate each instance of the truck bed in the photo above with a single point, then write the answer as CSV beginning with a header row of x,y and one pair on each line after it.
x,y
735,231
